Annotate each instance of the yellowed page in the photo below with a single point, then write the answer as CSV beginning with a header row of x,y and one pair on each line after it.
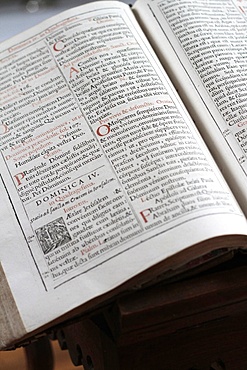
x,y
203,45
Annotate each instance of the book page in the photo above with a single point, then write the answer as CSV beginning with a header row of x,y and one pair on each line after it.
x,y
203,46
103,173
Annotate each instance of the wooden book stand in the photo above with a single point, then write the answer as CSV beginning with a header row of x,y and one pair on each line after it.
x,y
195,324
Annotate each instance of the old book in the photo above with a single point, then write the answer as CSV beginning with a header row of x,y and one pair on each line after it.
x,y
121,162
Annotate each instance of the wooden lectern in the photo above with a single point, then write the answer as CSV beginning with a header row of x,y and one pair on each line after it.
x,y
196,324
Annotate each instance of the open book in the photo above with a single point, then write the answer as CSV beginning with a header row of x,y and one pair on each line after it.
x,y
107,172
